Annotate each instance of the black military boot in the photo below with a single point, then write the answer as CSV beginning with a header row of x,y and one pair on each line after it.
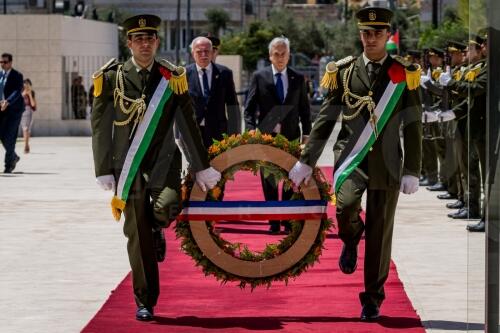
x,y
447,196
455,205
437,187
477,227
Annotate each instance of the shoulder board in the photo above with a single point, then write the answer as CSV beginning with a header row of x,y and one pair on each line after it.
x,y
168,65
344,62
329,80
178,81
402,61
98,78
109,65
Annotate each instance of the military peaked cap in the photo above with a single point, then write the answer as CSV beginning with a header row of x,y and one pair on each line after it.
x,y
477,39
370,18
141,24
454,46
436,51
215,40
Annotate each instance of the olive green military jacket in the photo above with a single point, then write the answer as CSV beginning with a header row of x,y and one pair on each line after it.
x,y
472,90
110,142
384,164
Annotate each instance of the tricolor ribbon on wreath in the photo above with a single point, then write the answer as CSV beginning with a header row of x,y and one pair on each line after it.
x,y
254,210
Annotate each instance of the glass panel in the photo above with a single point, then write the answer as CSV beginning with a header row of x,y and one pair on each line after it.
x,y
474,143
493,184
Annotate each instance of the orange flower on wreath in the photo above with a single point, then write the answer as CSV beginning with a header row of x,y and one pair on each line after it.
x,y
214,149
267,137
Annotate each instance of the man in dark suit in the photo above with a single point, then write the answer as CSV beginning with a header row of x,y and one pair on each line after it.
x,y
11,110
276,103
212,91
126,108
377,95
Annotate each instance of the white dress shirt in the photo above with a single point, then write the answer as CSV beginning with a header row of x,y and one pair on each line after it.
x,y
381,61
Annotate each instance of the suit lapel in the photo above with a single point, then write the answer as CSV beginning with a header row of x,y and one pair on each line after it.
x,y
382,79
360,70
269,77
131,75
154,80
292,82
215,80
194,81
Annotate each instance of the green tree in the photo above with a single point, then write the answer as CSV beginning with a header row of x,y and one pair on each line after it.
x,y
217,20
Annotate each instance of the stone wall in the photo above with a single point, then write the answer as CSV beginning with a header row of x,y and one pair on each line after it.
x,y
41,46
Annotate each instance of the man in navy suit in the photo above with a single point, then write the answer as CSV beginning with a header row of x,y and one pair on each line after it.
x,y
212,91
11,109
277,102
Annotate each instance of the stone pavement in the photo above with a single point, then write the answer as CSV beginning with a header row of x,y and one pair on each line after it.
x,y
61,253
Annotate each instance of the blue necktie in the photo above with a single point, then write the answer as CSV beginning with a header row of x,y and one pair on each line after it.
x,y
206,88
279,87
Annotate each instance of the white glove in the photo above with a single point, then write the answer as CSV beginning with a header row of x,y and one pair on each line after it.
x,y
207,178
300,173
106,182
423,80
445,78
446,115
409,184
429,116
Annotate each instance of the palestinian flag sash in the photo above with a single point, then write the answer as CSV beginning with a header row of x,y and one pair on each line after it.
x,y
366,139
140,144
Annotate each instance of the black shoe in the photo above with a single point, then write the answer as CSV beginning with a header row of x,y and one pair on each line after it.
x,y
447,196
10,168
464,214
426,182
274,228
478,227
455,205
159,244
348,260
143,313
370,312
437,187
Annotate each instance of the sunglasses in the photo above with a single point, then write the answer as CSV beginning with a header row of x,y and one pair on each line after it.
x,y
4,62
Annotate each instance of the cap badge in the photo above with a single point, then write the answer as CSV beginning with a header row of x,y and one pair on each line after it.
x,y
372,16
142,22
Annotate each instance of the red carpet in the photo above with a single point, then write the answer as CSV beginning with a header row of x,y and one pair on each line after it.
x,y
320,300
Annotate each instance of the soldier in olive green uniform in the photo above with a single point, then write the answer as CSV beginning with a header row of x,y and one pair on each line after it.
x,y
430,165
434,148
456,51
472,122
121,109
359,89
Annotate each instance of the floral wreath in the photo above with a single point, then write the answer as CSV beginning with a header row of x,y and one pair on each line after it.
x,y
238,250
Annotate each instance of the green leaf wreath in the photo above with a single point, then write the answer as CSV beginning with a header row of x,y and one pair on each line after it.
x,y
239,250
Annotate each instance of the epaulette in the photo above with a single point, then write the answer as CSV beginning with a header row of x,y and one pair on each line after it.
x,y
329,80
472,73
412,72
97,77
178,80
